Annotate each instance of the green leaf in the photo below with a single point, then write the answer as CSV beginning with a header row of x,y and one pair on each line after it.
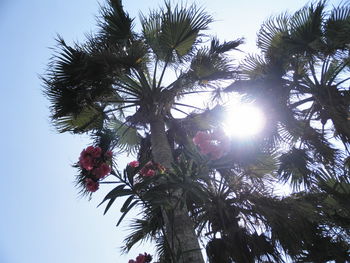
x,y
117,192
128,137
90,118
127,211
174,30
115,23
111,201
126,204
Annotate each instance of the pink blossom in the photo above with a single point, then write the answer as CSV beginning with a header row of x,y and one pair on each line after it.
x,y
201,137
102,171
86,161
148,166
214,144
149,173
96,153
88,157
214,151
91,185
90,149
206,147
134,164
150,169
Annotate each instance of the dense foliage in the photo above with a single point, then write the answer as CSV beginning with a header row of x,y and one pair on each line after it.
x,y
123,87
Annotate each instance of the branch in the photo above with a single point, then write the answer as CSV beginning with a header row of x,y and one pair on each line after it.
x,y
298,103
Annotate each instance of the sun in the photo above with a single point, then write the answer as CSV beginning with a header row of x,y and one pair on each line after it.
x,y
243,120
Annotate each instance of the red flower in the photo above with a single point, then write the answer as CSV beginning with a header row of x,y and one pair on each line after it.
x,y
201,137
90,149
150,168
149,173
207,147
102,171
134,164
96,153
86,161
214,144
132,261
88,157
91,185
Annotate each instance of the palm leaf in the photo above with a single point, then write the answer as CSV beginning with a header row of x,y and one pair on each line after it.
x,y
296,167
207,66
173,32
216,47
337,28
90,118
75,80
272,34
128,137
306,28
116,25
144,229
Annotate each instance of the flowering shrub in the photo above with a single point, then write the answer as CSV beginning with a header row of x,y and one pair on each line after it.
x,y
142,258
150,169
214,144
95,166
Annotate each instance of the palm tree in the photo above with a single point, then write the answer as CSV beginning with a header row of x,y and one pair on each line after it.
x,y
301,80
122,88
235,212
114,87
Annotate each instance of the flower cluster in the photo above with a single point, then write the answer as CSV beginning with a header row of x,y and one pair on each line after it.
x,y
134,164
94,164
149,169
142,258
213,144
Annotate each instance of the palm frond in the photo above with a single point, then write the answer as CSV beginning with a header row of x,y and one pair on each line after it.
x,y
90,118
296,167
207,66
116,25
128,137
216,47
272,34
173,32
337,28
306,28
147,228
75,81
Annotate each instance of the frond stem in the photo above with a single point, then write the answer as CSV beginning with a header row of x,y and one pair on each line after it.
x,y
186,105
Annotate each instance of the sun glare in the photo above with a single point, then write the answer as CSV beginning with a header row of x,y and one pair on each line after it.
x,y
243,120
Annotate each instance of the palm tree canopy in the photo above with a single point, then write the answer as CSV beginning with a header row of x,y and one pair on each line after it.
x,y
115,87
301,80
118,69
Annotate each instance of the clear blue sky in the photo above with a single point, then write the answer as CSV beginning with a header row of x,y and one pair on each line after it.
x,y
42,220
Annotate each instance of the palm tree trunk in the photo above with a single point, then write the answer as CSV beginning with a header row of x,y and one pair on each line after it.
x,y
180,233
